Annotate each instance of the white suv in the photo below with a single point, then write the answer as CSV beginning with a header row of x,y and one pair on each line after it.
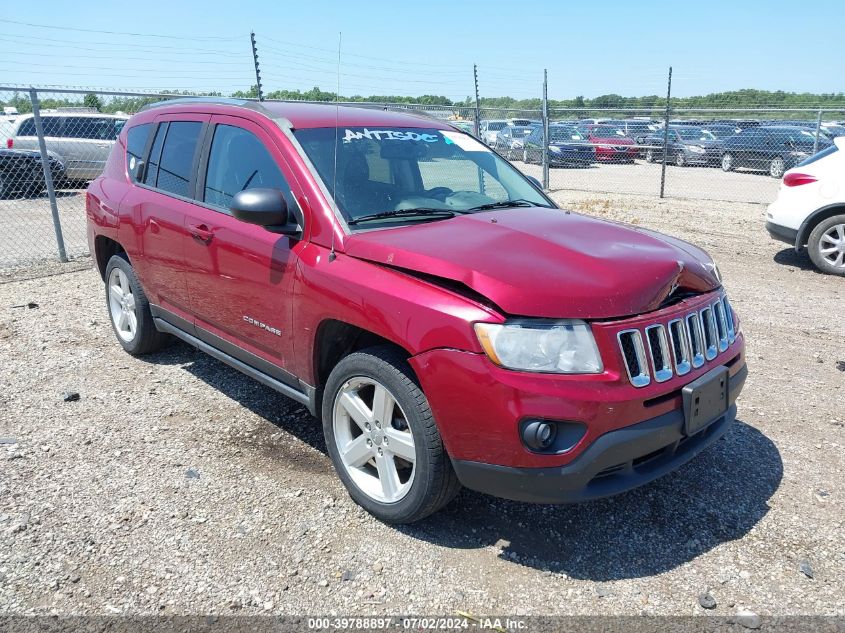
x,y
810,208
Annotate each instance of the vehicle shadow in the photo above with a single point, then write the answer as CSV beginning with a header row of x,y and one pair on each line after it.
x,y
788,257
286,414
717,497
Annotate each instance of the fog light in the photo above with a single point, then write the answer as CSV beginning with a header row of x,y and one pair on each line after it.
x,y
538,434
551,436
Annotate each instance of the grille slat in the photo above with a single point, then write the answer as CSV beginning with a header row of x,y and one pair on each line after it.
x,y
631,343
660,352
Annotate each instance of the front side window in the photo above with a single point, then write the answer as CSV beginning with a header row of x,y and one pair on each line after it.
x,y
239,161
177,157
383,170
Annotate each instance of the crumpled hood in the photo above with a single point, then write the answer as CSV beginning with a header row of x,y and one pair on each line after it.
x,y
540,262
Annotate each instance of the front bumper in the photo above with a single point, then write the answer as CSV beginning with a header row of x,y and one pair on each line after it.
x,y
615,462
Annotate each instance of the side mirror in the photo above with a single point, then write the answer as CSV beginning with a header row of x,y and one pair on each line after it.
x,y
264,207
536,182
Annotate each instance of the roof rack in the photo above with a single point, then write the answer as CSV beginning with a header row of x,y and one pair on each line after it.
x,y
212,100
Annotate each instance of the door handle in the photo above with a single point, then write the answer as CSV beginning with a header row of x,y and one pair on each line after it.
x,y
201,232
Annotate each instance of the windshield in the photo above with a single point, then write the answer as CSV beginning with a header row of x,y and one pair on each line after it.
x,y
383,170
521,132
607,131
564,133
695,134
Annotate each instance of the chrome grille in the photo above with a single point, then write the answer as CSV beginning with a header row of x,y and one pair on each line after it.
x,y
660,352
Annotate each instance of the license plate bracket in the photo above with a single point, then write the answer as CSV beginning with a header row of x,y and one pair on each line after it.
x,y
705,399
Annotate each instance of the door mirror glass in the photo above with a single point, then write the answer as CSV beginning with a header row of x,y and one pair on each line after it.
x,y
264,207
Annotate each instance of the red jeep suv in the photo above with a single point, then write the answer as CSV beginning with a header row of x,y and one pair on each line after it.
x,y
446,321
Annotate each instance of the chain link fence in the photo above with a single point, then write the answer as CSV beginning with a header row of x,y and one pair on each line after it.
x,y
54,141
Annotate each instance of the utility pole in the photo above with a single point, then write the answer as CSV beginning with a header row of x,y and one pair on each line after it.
x,y
666,135
255,61
545,129
477,103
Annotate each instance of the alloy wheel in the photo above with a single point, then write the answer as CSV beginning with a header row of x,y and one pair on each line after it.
x,y
373,439
122,305
832,246
777,167
727,162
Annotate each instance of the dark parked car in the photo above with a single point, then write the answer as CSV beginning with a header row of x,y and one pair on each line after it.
x,y
21,172
567,147
721,130
771,148
509,141
686,146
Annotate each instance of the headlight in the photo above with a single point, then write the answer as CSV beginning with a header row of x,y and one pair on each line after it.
x,y
698,149
561,347
554,149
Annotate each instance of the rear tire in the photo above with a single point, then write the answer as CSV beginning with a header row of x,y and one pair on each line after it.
x,y
777,167
826,245
649,156
367,438
680,159
129,309
727,161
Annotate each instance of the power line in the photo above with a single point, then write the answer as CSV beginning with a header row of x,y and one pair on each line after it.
x,y
21,39
381,59
140,59
282,53
69,28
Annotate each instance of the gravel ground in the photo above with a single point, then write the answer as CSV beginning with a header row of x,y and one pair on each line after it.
x,y
175,485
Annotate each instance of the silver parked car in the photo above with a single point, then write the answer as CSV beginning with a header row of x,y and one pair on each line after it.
x,y
82,140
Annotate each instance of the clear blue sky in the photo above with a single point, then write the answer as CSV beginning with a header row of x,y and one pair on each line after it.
x,y
410,48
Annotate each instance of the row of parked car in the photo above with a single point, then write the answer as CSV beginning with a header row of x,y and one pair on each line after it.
x,y
78,143
770,146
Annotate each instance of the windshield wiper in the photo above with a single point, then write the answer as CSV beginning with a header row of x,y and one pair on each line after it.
x,y
424,212
519,202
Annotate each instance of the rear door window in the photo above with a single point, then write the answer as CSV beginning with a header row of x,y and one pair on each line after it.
x,y
238,161
151,174
52,125
177,157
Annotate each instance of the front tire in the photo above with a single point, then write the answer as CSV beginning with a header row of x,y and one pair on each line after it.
x,y
129,309
826,245
383,440
727,161
649,156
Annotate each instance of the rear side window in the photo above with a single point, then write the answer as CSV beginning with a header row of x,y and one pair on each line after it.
x,y
27,128
177,157
238,160
136,142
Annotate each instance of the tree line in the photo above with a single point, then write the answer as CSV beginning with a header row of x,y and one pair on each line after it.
x,y
580,106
